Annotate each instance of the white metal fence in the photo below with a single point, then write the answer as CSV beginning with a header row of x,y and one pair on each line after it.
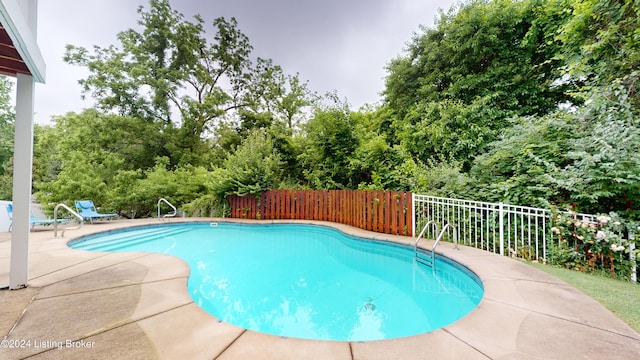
x,y
521,230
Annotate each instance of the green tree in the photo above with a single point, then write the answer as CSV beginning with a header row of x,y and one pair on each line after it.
x,y
480,48
190,85
80,155
169,66
254,166
136,193
587,157
519,168
280,104
447,130
280,97
81,177
375,163
453,90
600,42
133,140
603,174
327,146
584,155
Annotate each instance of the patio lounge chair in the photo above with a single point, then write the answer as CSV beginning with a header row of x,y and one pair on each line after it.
x,y
88,211
32,219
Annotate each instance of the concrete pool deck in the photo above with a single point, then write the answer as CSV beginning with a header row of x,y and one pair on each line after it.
x,y
82,304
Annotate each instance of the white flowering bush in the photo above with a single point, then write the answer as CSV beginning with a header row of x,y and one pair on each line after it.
x,y
591,244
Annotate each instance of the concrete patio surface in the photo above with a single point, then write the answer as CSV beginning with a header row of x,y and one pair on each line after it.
x,y
96,305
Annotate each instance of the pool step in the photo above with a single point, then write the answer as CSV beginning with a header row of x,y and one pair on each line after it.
x,y
424,257
118,235
120,239
127,243
134,239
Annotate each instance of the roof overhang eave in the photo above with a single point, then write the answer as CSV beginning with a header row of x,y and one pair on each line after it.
x,y
23,39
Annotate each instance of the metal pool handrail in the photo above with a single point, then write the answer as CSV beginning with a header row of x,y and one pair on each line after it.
x,y
424,229
420,236
55,220
432,258
175,211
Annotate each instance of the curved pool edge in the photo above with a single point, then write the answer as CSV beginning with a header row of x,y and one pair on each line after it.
x,y
524,311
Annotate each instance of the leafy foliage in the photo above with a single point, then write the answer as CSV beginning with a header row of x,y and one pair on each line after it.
x,y
81,156
478,49
328,144
588,157
600,42
604,172
137,194
169,75
252,168
519,168
450,130
81,178
484,62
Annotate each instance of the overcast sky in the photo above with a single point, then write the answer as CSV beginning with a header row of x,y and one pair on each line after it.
x,y
340,45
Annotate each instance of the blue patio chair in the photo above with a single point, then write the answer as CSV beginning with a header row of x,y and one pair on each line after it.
x,y
32,219
88,211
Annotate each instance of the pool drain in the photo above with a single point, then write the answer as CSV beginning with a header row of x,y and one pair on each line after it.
x,y
369,305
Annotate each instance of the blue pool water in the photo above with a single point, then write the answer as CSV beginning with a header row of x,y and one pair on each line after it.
x,y
306,281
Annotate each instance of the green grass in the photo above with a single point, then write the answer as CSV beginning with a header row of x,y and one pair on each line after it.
x,y
621,297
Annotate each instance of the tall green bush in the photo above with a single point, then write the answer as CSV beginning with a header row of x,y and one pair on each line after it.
x,y
254,166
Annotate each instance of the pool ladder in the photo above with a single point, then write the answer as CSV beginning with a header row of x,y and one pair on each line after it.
x,y
431,259
55,220
171,214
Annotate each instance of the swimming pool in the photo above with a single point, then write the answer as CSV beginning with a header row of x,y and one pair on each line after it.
x,y
306,281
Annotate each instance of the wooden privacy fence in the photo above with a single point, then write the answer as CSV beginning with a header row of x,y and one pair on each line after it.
x,y
382,211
